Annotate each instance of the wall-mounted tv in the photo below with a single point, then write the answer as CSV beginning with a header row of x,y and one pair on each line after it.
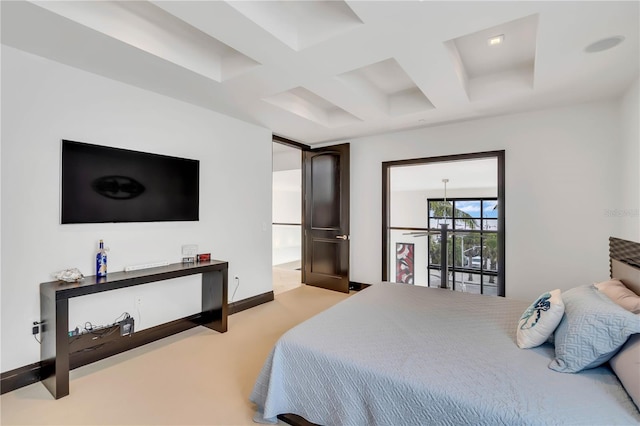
x,y
102,184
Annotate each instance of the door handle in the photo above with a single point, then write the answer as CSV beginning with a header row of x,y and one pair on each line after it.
x,y
342,237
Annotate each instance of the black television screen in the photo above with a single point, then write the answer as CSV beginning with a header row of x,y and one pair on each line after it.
x,y
102,184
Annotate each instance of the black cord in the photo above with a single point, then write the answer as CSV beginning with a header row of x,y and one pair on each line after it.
x,y
102,334
34,336
102,331
99,332
88,326
124,314
236,289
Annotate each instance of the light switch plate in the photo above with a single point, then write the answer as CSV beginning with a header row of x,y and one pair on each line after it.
x,y
189,250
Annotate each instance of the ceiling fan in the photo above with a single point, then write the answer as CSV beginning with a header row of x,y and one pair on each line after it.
x,y
444,230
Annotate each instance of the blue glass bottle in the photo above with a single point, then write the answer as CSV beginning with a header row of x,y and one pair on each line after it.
x,y
101,261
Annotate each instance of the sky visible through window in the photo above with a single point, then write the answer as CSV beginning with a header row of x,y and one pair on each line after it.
x,y
473,208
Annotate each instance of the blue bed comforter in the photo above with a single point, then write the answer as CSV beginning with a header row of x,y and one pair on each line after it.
x,y
397,354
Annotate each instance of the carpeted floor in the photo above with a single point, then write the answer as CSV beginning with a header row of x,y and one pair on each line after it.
x,y
198,377
285,279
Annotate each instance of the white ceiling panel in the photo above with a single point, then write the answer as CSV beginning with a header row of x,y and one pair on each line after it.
x,y
299,24
247,59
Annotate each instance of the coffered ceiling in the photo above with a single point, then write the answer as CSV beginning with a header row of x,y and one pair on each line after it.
x,y
321,71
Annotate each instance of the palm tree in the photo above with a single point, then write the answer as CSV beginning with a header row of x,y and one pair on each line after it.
x,y
476,243
444,209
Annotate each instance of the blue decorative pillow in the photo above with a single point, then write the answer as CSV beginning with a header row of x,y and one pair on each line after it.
x,y
592,330
540,320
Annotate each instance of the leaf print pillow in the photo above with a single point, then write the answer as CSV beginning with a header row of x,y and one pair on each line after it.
x,y
540,320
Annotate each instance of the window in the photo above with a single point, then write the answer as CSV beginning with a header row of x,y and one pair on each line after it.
x,y
413,208
472,243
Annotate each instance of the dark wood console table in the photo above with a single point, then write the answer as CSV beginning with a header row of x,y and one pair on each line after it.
x,y
54,312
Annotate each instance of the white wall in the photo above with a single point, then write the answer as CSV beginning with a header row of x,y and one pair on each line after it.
x,y
627,213
562,174
287,196
44,102
286,158
287,208
287,204
409,208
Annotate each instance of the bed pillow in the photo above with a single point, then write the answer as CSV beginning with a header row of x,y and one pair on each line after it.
x,y
540,320
626,365
619,293
592,330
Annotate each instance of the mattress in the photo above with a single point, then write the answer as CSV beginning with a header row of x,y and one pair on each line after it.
x,y
397,354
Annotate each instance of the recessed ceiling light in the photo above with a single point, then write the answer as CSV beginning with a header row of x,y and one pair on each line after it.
x,y
496,40
604,44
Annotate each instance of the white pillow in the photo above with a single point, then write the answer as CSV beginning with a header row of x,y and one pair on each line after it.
x,y
540,320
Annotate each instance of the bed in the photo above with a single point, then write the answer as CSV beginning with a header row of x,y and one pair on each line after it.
x,y
397,354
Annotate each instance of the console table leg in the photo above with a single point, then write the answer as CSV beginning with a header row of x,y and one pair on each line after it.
x,y
54,349
214,300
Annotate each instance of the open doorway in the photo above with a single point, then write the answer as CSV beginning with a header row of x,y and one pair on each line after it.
x,y
310,216
287,217
443,222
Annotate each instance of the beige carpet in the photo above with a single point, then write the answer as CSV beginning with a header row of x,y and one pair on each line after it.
x,y
285,279
199,377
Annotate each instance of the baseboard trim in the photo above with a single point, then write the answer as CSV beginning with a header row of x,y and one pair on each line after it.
x,y
251,302
19,377
29,374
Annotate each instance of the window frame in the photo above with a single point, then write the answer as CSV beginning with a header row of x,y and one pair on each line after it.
x,y
452,267
386,195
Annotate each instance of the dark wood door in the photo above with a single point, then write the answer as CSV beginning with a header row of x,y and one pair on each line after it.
x,y
326,217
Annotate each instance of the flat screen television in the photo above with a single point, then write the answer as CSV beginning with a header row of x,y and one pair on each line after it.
x,y
102,184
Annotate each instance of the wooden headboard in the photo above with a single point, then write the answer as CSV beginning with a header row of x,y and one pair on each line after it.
x,y
624,262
